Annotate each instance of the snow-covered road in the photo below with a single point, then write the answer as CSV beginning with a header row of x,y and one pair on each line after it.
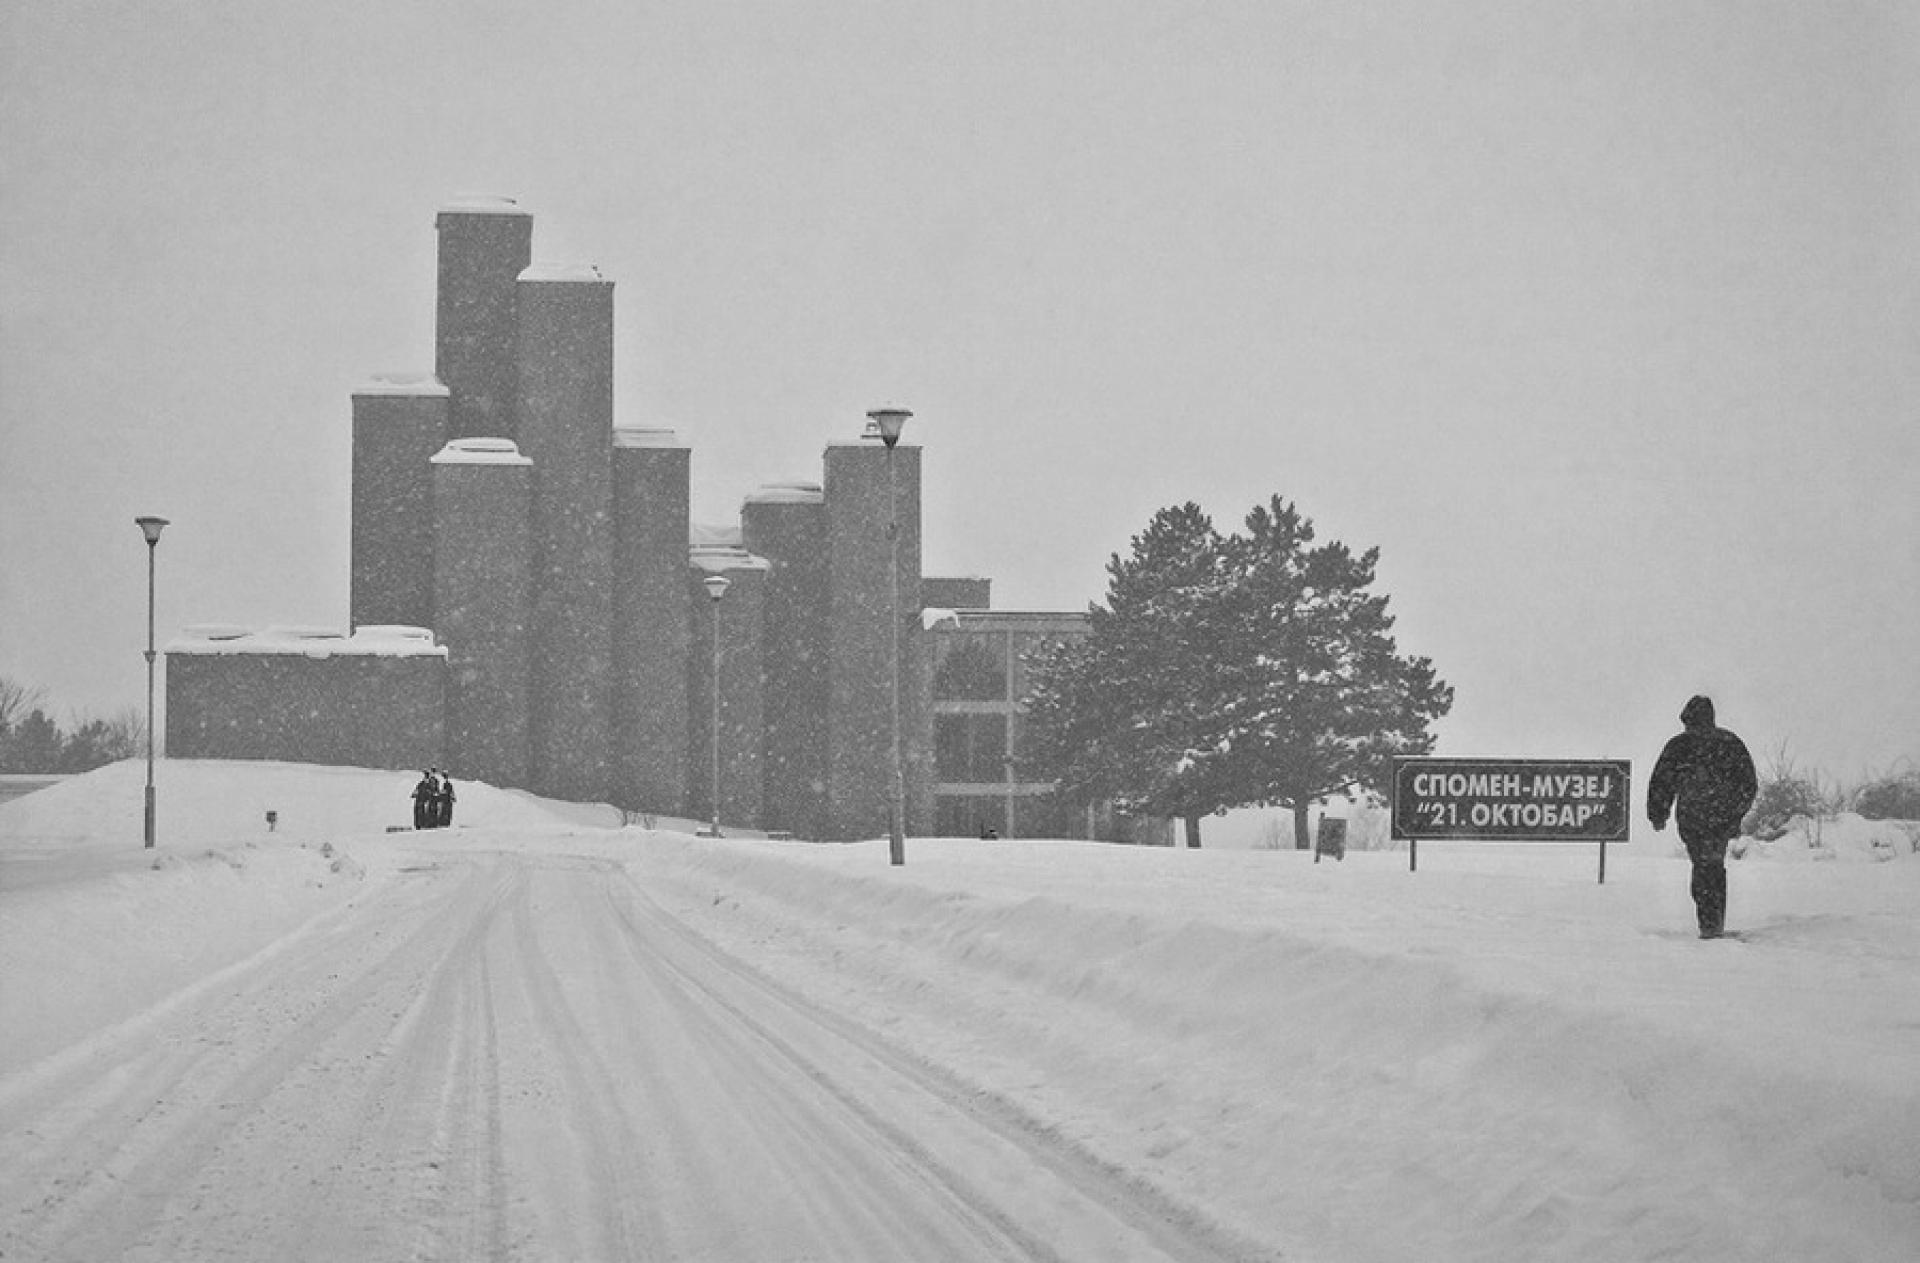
x,y
542,1035
518,1054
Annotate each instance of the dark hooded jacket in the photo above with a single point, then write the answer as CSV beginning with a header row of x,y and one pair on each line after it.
x,y
1704,777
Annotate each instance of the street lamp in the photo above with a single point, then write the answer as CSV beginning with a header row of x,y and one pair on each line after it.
x,y
151,528
716,588
888,421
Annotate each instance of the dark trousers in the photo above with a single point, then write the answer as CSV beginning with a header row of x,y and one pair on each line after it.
x,y
1709,856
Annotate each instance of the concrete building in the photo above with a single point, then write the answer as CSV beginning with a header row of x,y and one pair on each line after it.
x,y
564,424
529,610
649,716
482,599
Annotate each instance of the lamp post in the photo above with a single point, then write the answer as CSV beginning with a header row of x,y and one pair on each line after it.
x,y
151,528
716,588
889,421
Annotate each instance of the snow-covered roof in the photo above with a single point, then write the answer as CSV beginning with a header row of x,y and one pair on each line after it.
x,y
384,640
788,491
567,273
645,436
479,452
402,384
718,559
480,204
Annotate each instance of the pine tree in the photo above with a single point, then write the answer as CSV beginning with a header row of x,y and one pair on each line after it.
x,y
1321,701
1130,713
1249,670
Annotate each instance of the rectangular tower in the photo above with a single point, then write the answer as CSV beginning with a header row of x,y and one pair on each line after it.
x,y
864,492
651,634
483,535
565,426
485,243
398,424
786,524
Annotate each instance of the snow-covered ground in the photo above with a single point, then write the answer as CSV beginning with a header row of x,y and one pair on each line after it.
x,y
1495,1057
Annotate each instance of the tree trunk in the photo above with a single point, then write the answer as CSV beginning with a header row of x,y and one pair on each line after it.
x,y
1193,830
1302,836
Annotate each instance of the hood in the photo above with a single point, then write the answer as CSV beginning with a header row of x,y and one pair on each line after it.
x,y
1698,712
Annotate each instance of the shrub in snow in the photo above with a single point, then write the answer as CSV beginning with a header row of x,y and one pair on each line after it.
x,y
1786,792
1892,796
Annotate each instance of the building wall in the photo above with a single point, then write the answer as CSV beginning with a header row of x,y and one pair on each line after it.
x,y
397,427
977,664
565,426
651,632
969,593
786,524
348,710
859,708
484,246
482,505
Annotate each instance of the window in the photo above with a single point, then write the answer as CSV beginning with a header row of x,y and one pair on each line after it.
x,y
970,748
974,669
969,816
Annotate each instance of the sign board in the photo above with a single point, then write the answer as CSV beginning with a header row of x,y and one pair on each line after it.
x,y
1530,800
1331,839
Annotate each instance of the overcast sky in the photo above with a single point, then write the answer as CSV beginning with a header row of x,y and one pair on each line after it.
x,y
1599,319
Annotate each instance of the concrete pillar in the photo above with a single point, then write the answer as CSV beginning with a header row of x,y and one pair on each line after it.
x,y
859,763
485,243
786,524
483,538
652,635
398,425
565,425
742,686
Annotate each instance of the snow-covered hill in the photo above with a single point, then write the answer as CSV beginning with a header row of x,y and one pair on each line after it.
x,y
1494,1057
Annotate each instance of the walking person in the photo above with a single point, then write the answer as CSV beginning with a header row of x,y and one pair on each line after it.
x,y
1705,779
424,796
443,803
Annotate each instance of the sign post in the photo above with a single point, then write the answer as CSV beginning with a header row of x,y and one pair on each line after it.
x,y
1520,800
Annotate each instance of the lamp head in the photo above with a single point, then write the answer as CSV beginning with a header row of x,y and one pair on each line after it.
x,y
716,585
888,421
150,527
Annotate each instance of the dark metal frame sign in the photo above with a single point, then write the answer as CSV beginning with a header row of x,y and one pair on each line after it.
x,y
1516,800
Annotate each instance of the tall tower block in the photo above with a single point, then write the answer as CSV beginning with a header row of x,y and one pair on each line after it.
x,y
398,424
786,523
651,634
742,693
565,425
485,243
859,731
483,533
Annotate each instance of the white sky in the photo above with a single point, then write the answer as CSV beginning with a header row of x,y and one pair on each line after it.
x,y
1599,320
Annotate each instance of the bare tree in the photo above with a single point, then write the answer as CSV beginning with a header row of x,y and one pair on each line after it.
x,y
17,701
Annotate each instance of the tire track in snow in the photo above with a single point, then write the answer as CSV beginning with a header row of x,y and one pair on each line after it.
x,y
955,1128
118,1147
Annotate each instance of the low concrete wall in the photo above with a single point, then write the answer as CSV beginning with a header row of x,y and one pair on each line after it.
x,y
348,710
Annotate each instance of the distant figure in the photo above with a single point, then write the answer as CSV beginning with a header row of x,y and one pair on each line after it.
x,y
425,794
443,804
1705,778
989,834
